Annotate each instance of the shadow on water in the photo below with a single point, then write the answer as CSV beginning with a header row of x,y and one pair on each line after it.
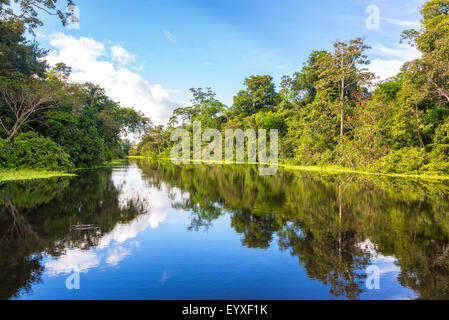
x,y
333,224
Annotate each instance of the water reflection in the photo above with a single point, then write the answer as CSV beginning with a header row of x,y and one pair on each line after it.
x,y
42,218
330,223
333,226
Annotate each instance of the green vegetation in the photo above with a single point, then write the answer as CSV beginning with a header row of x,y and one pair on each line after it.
x,y
333,113
48,123
330,113
18,175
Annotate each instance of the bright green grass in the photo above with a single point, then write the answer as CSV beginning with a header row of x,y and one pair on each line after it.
x,y
339,170
26,174
17,175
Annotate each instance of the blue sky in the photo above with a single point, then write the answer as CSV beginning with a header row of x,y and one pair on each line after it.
x,y
147,54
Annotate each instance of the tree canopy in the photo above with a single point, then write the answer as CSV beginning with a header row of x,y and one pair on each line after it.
x,y
333,111
78,124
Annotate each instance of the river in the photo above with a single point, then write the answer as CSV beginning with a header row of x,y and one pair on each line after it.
x,y
154,230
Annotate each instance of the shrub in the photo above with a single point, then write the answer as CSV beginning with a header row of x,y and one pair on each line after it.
x,y
439,157
78,136
6,154
406,160
32,151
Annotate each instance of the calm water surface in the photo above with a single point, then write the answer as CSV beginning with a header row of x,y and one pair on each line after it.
x,y
157,231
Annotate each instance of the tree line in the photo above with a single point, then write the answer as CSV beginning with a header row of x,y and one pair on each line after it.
x,y
334,112
46,121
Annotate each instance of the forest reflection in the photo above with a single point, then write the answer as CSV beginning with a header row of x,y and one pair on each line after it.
x,y
325,221
51,217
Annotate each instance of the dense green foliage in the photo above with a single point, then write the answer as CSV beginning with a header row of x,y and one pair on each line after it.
x,y
31,151
332,112
47,122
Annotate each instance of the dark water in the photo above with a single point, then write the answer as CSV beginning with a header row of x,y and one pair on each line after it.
x,y
158,231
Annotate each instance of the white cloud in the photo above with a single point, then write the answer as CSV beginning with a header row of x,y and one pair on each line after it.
x,y
73,259
391,60
403,23
116,255
384,69
170,36
386,264
87,59
134,189
400,51
114,246
122,56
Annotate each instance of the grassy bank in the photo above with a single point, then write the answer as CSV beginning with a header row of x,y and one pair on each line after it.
x,y
333,170
340,170
27,174
18,175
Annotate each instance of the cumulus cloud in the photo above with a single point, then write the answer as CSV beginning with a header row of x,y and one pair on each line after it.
x,y
89,61
115,246
73,259
391,59
116,255
385,69
134,189
122,56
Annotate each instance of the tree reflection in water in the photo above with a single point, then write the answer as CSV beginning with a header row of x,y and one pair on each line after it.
x,y
323,220
43,217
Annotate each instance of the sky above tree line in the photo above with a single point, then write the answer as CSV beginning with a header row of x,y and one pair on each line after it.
x,y
147,54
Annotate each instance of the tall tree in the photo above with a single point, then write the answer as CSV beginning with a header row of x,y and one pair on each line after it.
x,y
17,55
433,41
339,72
260,94
28,12
20,101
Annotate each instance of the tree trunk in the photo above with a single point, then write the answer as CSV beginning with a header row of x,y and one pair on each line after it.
x,y
440,90
13,131
342,105
342,122
340,216
421,142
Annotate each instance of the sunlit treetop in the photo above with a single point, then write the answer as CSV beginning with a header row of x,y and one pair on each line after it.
x,y
26,12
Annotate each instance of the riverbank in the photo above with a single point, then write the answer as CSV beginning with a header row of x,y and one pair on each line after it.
x,y
340,170
27,174
331,170
20,175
